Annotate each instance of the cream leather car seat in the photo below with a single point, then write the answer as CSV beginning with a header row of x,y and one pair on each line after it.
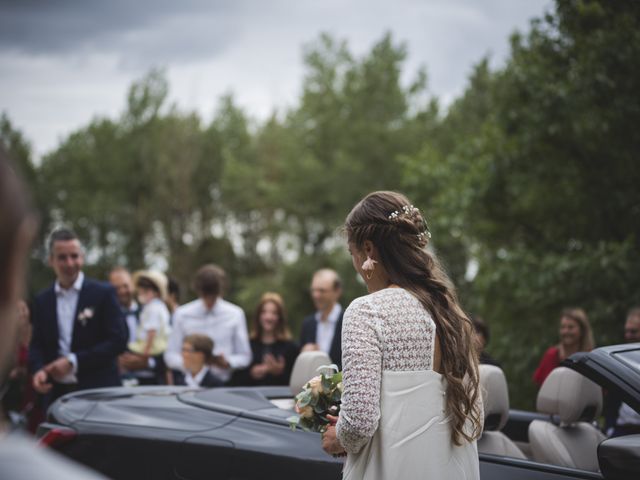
x,y
495,399
576,401
306,367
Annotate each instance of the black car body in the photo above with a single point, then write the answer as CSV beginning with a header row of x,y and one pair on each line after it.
x,y
240,433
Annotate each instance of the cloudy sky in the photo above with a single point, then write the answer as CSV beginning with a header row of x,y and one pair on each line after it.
x,y
63,62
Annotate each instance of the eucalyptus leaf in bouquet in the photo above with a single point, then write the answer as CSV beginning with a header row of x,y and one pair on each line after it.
x,y
319,397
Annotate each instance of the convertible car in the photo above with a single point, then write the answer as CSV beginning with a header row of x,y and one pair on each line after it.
x,y
243,433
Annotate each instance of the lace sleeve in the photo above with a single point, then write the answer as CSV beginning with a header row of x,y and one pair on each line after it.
x,y
362,375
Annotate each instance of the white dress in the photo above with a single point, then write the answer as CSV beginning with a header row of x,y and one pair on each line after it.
x,y
392,420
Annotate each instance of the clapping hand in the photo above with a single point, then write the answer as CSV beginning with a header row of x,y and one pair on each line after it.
x,y
275,366
270,365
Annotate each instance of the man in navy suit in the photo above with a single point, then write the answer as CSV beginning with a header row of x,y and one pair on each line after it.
x,y
78,328
322,330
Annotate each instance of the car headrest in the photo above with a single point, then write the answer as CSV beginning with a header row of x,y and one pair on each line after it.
x,y
495,397
571,396
305,368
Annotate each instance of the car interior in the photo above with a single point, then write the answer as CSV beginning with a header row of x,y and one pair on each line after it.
x,y
495,398
564,435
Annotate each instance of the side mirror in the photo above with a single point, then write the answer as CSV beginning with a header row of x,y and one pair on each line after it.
x,y
619,457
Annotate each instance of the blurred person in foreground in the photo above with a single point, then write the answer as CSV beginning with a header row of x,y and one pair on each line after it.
x,y
20,458
483,334
575,336
78,327
274,353
211,315
322,330
620,418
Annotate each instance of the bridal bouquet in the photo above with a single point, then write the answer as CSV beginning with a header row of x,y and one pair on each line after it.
x,y
320,397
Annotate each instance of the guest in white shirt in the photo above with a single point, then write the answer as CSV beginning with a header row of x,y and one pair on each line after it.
x,y
211,315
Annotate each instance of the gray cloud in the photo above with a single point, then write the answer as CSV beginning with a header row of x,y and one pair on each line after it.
x,y
158,31
65,61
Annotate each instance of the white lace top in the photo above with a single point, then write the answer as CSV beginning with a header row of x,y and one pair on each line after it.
x,y
388,330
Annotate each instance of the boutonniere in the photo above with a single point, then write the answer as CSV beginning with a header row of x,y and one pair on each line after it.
x,y
85,315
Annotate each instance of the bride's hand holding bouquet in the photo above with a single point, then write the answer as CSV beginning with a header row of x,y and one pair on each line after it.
x,y
318,406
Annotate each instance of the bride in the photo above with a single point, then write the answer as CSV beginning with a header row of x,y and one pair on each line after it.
x,y
411,406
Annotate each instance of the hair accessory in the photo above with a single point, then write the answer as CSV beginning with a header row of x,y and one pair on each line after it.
x,y
410,211
369,266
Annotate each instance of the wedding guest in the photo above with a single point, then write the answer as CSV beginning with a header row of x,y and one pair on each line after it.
x,y
153,329
20,459
78,327
411,401
482,333
575,336
144,359
197,358
121,280
620,418
322,330
274,353
211,315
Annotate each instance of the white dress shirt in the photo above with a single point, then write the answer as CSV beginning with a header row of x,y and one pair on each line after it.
x,y
132,320
66,306
225,324
326,329
192,381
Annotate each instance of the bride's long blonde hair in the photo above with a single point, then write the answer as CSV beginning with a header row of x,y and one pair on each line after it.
x,y
400,240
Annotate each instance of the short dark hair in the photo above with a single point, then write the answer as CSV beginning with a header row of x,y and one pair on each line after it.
x,y
202,344
61,235
209,280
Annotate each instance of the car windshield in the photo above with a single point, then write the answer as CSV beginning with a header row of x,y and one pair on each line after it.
x,y
631,358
